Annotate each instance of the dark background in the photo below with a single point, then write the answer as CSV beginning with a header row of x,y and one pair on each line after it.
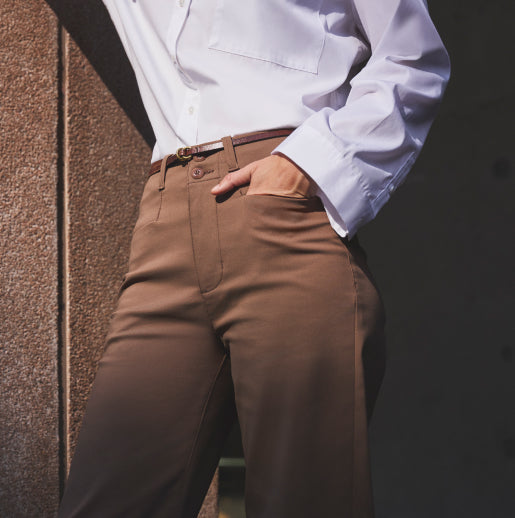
x,y
442,250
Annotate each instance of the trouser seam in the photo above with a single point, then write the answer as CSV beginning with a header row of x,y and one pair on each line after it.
x,y
354,417
160,207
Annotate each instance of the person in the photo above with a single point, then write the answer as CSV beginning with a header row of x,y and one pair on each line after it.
x,y
282,127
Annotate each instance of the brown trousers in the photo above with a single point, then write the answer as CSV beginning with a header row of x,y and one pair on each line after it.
x,y
249,306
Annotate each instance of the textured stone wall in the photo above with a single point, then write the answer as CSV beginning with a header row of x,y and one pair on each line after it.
x,y
75,146
29,259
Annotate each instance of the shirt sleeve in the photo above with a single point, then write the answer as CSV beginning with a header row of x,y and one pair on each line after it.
x,y
360,153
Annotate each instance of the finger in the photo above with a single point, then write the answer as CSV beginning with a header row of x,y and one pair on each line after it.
x,y
232,180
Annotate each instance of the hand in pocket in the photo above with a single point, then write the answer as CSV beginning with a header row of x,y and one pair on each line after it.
x,y
274,174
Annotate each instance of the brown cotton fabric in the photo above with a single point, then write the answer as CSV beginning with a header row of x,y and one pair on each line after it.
x,y
241,306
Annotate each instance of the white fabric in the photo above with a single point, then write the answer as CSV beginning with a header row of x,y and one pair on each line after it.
x,y
360,80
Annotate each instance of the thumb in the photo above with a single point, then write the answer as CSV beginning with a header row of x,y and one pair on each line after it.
x,y
232,180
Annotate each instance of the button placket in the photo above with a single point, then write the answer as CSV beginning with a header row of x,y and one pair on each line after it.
x,y
176,25
189,115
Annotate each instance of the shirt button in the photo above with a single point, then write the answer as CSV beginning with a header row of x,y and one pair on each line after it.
x,y
197,173
191,110
181,3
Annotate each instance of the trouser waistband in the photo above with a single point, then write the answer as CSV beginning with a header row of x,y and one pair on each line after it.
x,y
184,154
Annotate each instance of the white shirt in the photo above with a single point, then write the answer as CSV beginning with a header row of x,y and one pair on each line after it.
x,y
360,80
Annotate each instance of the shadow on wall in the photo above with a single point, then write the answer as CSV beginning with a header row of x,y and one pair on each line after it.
x,y
89,24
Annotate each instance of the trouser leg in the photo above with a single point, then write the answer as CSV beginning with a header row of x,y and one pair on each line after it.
x,y
305,332
162,401
299,383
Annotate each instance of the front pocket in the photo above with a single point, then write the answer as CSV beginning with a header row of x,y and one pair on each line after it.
x,y
244,190
150,204
285,222
280,196
285,32
280,200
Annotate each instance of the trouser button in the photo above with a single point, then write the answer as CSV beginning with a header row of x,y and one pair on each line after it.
x,y
197,173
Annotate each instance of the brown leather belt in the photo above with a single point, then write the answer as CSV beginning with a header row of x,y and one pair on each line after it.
x,y
184,154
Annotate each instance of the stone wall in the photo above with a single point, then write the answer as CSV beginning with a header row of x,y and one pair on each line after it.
x,y
29,252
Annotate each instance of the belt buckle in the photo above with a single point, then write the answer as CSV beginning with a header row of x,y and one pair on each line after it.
x,y
184,157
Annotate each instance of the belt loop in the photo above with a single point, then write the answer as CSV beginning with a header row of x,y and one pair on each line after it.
x,y
162,173
230,156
